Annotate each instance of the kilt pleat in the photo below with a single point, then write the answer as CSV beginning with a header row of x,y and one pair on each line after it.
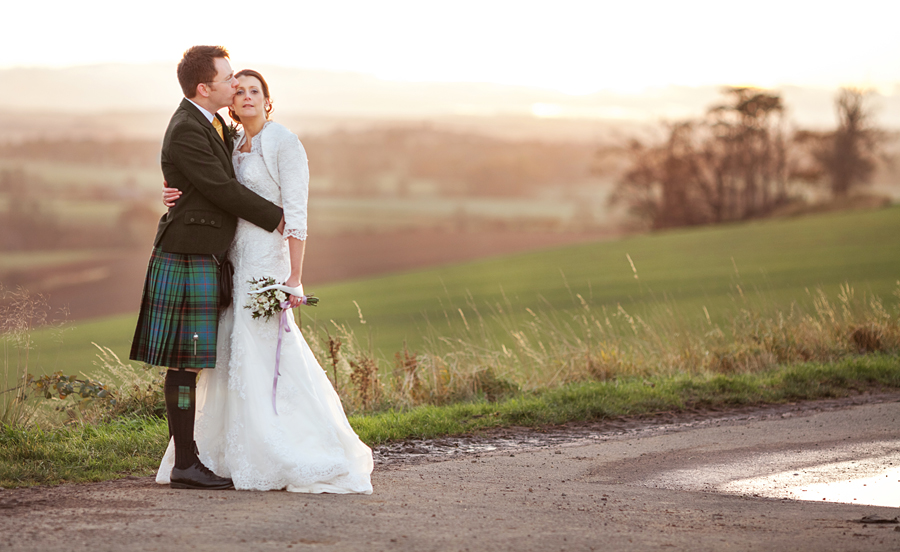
x,y
179,315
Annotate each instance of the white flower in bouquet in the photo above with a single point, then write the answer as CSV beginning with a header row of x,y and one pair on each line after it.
x,y
263,304
268,303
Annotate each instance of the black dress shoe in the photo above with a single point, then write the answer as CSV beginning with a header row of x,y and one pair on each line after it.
x,y
198,476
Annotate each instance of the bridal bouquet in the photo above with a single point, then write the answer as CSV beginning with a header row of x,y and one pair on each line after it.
x,y
269,302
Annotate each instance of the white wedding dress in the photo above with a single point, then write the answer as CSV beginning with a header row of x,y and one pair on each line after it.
x,y
308,446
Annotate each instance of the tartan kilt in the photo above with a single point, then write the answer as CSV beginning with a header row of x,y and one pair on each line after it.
x,y
179,315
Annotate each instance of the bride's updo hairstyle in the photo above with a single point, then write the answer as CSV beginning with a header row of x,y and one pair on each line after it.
x,y
265,90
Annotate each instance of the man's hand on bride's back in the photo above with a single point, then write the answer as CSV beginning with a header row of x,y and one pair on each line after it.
x,y
170,195
281,225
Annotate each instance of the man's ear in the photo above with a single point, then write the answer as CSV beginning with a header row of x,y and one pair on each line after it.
x,y
202,90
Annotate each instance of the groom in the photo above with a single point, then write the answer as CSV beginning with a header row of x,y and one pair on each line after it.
x,y
178,319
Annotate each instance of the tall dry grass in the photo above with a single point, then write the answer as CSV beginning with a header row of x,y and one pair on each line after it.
x,y
500,350
20,313
496,350
72,398
137,391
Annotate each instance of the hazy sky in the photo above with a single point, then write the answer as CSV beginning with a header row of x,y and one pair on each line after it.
x,y
572,46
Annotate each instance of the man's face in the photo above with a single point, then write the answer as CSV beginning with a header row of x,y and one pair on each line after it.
x,y
221,90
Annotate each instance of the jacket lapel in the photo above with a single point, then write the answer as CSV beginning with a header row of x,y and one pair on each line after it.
x,y
201,118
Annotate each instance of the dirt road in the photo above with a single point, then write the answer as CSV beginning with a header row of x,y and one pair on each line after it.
x,y
678,487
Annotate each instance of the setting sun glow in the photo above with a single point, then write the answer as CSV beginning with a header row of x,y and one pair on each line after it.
x,y
576,47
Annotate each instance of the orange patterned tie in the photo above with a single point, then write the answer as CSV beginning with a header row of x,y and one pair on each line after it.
x,y
218,126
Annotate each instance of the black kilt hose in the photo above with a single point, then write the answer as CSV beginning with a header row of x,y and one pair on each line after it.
x,y
179,315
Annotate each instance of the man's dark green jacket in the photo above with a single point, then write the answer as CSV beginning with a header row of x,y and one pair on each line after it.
x,y
197,162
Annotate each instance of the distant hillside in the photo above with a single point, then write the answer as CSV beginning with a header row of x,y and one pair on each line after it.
x,y
136,100
150,87
402,161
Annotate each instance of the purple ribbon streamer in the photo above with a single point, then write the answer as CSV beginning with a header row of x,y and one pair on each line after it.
x,y
283,327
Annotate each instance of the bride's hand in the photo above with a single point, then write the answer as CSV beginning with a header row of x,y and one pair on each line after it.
x,y
294,282
169,195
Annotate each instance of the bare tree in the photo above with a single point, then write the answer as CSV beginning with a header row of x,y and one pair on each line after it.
x,y
731,165
752,152
845,158
662,185
851,159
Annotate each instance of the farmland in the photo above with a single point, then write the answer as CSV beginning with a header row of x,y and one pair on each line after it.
x,y
699,277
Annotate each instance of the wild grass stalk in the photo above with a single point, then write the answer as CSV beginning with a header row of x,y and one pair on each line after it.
x,y
499,350
137,392
76,398
20,313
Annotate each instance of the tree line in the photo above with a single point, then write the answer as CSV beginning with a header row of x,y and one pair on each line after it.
x,y
451,163
383,160
741,161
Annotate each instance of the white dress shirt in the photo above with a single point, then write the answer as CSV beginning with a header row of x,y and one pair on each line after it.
x,y
209,116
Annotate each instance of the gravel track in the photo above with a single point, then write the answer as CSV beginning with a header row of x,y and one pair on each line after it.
x,y
644,485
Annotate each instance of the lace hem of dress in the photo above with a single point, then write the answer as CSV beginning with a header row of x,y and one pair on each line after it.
x,y
294,233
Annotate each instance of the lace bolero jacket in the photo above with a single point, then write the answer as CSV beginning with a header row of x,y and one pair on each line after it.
x,y
286,161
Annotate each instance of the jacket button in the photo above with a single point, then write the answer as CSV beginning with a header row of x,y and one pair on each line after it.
x,y
202,221
212,222
192,219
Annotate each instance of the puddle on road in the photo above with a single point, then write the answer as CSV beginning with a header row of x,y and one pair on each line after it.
x,y
421,450
834,482
414,451
860,473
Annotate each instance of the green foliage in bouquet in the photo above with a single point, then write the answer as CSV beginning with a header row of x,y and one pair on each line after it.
x,y
268,303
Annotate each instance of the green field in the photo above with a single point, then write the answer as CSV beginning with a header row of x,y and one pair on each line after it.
x,y
773,263
768,264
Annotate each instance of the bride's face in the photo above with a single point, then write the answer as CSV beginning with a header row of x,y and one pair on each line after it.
x,y
249,101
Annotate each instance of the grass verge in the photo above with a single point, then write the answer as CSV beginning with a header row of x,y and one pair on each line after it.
x,y
133,446
81,453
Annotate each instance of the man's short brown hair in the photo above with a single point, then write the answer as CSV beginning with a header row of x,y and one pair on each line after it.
x,y
198,64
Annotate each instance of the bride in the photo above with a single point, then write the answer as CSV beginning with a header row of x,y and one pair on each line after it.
x,y
308,445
